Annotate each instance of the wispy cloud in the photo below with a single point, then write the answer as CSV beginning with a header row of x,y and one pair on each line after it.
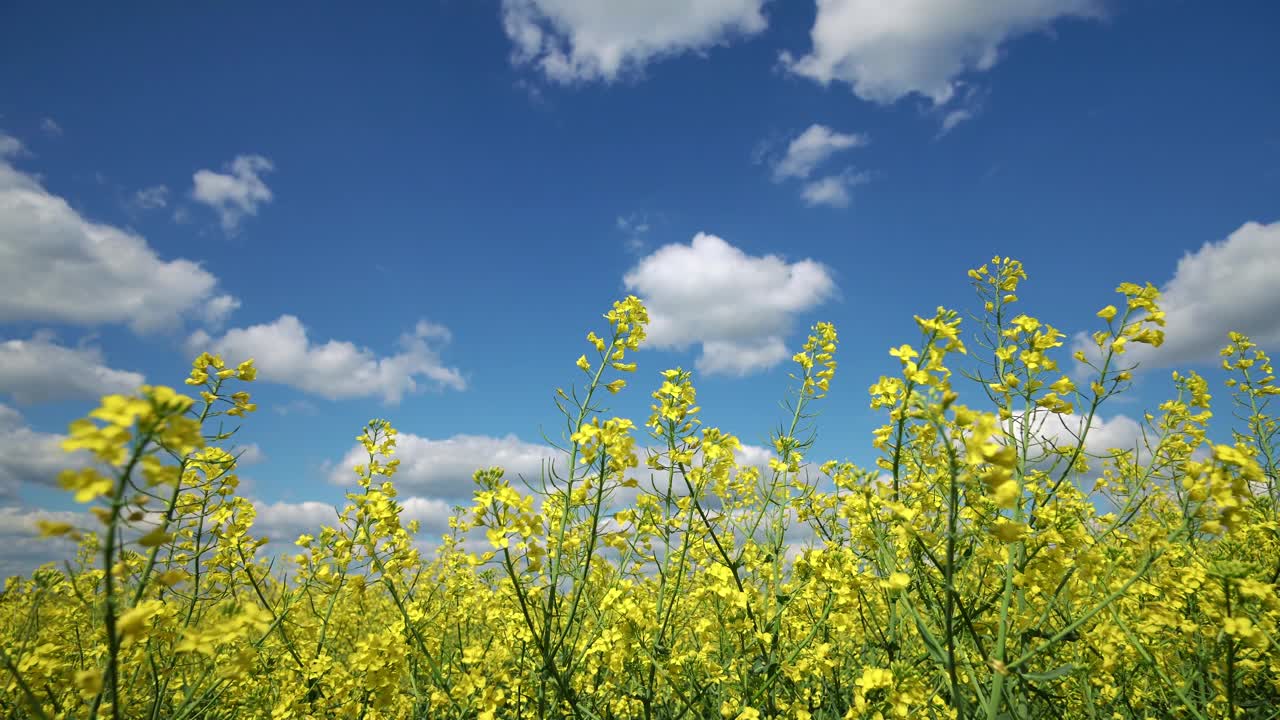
x,y
156,196
833,190
811,148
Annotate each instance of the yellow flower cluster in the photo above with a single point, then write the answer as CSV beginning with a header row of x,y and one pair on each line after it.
x,y
983,568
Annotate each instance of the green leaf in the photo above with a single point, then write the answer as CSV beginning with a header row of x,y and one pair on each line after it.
x,y
930,644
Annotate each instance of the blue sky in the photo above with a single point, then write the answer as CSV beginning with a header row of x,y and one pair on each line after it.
x,y
417,213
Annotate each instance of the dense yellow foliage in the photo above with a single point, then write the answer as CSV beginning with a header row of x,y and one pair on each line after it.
x,y
977,571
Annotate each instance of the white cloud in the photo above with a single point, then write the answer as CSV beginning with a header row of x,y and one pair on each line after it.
x,y
728,357
811,148
887,50
57,266
1119,432
806,152
156,196
635,227
432,514
216,311
29,457
584,40
437,474
746,456
237,193
833,190
633,224
284,521
966,106
443,468
10,146
954,118
737,307
22,550
40,370
336,369
295,407
1048,430
1106,437
248,454
1224,286
51,127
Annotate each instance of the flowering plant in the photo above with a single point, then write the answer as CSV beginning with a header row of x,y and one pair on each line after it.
x,y
981,569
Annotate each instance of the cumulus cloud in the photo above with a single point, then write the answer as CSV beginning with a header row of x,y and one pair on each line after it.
x,y
1119,432
237,193
737,307
811,148
1106,437
41,370
586,40
216,311
432,514
335,369
887,50
1223,286
22,550
284,521
443,468
438,473
747,456
57,266
51,127
731,357
833,190
28,457
1047,431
